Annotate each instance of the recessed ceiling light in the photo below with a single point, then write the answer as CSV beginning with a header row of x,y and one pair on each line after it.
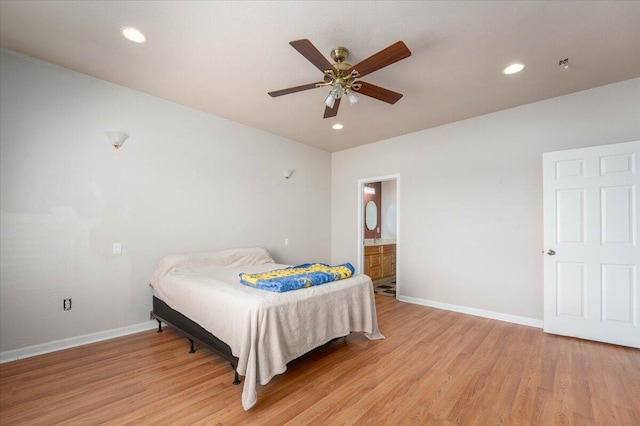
x,y
513,68
337,126
133,34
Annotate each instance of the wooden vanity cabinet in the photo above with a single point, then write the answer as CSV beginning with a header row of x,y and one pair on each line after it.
x,y
388,260
373,261
380,261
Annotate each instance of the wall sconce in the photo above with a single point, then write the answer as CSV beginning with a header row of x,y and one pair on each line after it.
x,y
116,139
287,173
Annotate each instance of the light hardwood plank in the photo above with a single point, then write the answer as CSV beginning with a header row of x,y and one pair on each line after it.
x,y
434,367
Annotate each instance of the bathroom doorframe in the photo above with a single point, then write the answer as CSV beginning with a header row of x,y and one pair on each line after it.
x,y
360,244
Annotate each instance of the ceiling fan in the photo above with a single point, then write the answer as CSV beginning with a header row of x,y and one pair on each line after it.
x,y
341,76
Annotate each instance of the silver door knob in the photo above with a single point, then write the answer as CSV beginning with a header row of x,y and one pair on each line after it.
x,y
551,252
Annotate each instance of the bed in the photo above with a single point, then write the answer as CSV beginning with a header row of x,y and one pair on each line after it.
x,y
257,331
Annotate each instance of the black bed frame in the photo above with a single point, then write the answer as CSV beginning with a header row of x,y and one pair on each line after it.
x,y
194,332
163,313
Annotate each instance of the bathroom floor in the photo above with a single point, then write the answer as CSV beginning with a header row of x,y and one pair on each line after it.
x,y
386,289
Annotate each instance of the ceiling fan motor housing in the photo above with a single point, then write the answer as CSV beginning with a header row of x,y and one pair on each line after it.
x,y
340,75
339,54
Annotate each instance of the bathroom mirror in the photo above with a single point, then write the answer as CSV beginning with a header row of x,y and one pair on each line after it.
x,y
371,215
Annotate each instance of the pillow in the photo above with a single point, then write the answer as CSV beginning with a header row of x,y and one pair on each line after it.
x,y
231,258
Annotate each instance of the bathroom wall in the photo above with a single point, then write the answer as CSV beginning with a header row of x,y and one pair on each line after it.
x,y
377,200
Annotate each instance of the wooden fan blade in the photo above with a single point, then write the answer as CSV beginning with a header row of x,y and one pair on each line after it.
x,y
388,56
380,93
313,55
294,89
332,112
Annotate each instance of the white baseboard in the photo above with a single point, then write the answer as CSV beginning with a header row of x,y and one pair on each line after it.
x,y
71,342
531,322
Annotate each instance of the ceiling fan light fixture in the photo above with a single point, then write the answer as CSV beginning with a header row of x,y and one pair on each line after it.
x,y
352,97
331,100
337,91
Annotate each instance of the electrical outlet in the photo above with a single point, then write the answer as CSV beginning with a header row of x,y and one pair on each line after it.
x,y
66,304
151,317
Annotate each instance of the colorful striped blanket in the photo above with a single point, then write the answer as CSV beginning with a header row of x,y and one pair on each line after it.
x,y
296,277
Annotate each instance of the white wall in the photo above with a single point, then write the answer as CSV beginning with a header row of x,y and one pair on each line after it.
x,y
470,214
183,181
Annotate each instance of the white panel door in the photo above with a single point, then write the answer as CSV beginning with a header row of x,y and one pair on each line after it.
x,y
592,258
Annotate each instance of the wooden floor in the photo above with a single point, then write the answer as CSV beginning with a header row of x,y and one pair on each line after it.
x,y
435,367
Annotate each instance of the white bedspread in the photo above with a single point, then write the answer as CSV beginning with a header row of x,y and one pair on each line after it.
x,y
265,330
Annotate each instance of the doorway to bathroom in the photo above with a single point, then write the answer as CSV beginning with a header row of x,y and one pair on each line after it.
x,y
378,232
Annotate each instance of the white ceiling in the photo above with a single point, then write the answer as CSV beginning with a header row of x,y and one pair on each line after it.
x,y
223,57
